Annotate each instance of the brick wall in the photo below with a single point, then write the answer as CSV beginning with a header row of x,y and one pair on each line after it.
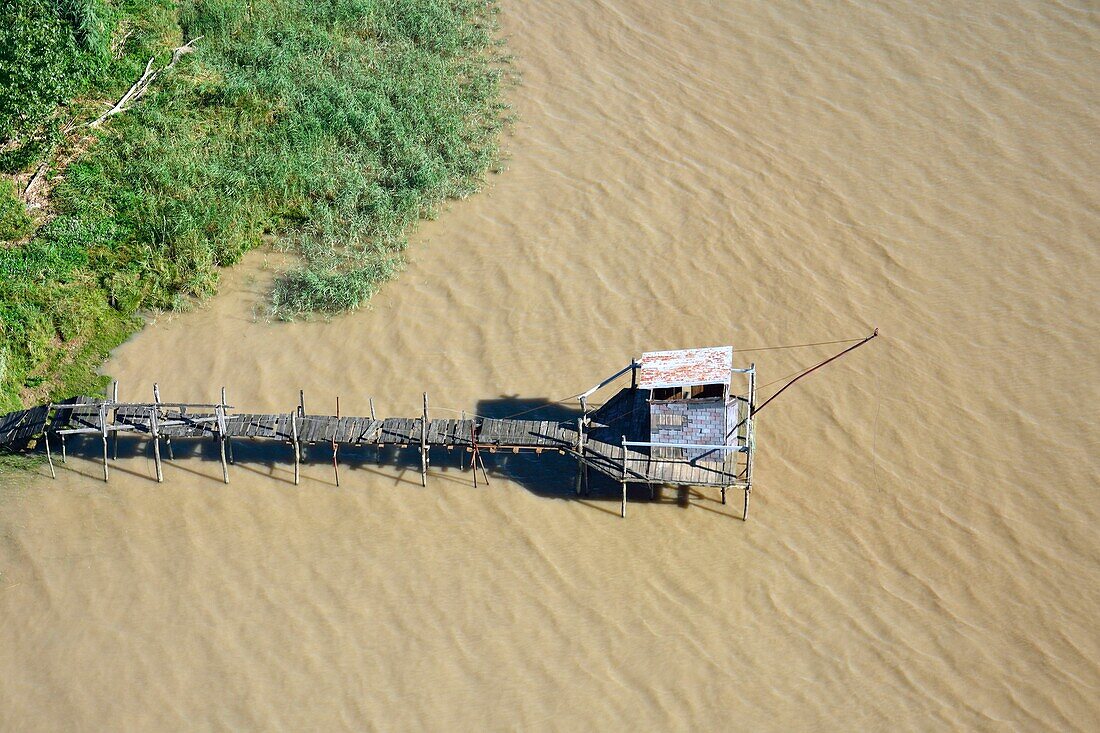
x,y
702,422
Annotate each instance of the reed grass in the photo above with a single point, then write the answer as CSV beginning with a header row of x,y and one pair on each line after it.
x,y
329,126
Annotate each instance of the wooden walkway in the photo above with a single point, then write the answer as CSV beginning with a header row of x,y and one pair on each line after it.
x,y
599,442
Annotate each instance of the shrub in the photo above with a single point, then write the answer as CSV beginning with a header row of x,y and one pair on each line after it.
x,y
36,56
14,222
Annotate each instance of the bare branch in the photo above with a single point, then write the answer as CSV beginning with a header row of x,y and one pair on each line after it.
x,y
137,91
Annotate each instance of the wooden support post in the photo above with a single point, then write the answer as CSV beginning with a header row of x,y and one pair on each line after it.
x,y
723,495
301,403
462,456
228,442
424,444
473,449
477,455
167,439
370,401
64,457
294,437
750,439
114,438
335,447
154,427
103,426
49,458
484,471
623,509
581,465
633,375
219,412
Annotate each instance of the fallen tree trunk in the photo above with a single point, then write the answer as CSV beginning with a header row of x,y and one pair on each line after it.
x,y
139,87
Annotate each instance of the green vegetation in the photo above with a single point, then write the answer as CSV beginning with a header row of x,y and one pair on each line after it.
x,y
14,222
333,125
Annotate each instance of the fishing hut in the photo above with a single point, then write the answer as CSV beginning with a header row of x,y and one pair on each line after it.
x,y
686,419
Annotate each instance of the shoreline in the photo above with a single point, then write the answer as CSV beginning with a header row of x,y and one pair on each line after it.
x,y
342,199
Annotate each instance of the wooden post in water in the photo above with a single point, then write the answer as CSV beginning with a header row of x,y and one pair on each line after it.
x,y
424,444
219,413
622,511
370,401
750,440
154,427
167,439
228,442
473,451
462,455
294,439
103,427
49,458
476,454
301,403
114,438
581,465
64,457
335,467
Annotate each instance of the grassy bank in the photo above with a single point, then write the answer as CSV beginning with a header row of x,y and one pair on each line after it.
x,y
332,124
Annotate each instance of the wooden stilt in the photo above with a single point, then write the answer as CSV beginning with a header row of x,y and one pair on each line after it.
x,y
484,472
335,447
154,426
424,444
473,451
49,458
750,438
219,412
622,510
301,403
64,456
581,465
167,439
114,438
294,437
723,495
370,401
103,426
462,456
228,442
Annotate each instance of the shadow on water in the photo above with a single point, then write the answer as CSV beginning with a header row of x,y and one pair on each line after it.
x,y
550,474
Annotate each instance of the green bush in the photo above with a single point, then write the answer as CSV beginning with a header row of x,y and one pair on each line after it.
x,y
36,50
14,222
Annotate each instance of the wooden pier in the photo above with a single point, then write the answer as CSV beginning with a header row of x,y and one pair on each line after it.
x,y
613,439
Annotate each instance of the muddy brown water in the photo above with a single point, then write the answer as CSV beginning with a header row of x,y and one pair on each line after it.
x,y
923,551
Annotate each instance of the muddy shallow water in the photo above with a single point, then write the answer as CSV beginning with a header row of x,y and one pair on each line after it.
x,y
922,551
